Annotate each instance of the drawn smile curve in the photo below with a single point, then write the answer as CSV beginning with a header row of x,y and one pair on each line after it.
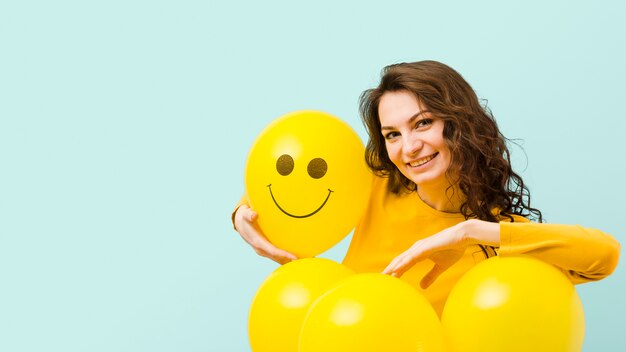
x,y
299,216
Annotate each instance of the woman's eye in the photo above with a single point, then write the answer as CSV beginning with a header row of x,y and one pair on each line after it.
x,y
423,122
391,135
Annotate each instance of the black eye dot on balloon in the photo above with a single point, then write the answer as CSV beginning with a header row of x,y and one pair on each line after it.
x,y
317,168
284,164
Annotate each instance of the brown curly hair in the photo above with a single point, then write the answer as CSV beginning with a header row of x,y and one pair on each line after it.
x,y
480,159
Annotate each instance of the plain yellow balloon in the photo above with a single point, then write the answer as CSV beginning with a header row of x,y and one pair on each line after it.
x,y
513,304
307,179
371,313
281,302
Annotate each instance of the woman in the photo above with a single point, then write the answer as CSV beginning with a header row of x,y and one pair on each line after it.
x,y
445,191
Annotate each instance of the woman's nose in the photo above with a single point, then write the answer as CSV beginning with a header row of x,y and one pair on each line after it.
x,y
412,145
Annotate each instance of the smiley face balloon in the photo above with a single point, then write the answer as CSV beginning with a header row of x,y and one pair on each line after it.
x,y
307,179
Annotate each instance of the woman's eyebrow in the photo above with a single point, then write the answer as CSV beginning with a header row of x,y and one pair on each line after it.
x,y
411,119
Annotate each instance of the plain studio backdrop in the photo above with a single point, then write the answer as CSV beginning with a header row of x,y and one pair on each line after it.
x,y
125,126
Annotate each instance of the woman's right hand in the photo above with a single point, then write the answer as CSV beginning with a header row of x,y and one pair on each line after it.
x,y
247,226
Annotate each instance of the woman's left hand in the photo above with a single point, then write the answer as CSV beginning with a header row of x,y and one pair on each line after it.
x,y
444,248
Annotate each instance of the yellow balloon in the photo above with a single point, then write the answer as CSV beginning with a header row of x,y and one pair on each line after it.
x,y
513,304
281,302
307,179
371,313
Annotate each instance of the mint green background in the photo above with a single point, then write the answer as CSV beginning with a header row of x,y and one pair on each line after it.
x,y
124,128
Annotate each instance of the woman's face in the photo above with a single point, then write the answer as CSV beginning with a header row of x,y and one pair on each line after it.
x,y
414,139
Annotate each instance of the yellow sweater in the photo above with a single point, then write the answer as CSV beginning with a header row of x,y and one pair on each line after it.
x,y
392,223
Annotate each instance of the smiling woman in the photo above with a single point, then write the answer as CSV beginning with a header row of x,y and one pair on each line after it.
x,y
445,196
414,140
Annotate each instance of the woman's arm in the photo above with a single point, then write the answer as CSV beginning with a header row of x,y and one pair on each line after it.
x,y
582,254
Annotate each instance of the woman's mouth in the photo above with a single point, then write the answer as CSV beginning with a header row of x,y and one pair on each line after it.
x,y
422,161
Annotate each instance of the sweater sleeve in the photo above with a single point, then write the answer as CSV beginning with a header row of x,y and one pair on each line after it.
x,y
583,254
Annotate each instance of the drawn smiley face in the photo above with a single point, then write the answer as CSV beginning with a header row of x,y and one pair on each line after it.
x,y
307,179
316,169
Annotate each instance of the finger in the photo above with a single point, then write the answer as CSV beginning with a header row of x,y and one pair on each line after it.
x,y
398,266
265,248
391,270
246,211
242,217
282,256
252,234
432,275
391,267
252,215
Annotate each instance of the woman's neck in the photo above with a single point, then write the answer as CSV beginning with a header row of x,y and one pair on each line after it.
x,y
441,197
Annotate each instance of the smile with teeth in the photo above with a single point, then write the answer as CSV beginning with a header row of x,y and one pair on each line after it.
x,y
422,161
